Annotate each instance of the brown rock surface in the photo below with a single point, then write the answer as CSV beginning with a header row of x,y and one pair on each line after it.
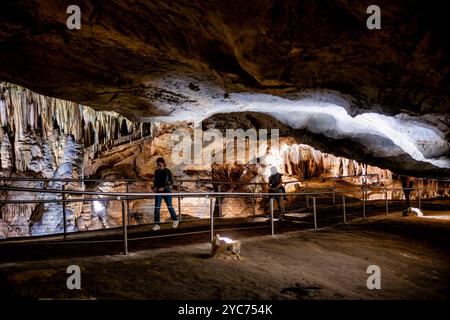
x,y
126,50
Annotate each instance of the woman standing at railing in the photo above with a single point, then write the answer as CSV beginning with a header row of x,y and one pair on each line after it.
x,y
407,185
162,184
276,186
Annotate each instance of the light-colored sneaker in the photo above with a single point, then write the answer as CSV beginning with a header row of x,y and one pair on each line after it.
x,y
156,227
175,224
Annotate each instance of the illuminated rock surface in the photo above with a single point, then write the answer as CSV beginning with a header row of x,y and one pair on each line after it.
x,y
345,99
315,68
50,138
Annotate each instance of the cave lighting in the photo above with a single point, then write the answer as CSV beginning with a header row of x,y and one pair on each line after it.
x,y
329,115
98,206
225,239
417,211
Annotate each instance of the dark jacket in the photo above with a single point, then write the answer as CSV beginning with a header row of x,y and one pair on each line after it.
x,y
274,180
162,178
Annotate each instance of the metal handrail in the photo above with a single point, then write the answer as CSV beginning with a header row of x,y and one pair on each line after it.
x,y
68,180
178,182
71,180
152,194
125,197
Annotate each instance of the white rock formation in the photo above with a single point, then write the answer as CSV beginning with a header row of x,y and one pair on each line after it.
x,y
47,137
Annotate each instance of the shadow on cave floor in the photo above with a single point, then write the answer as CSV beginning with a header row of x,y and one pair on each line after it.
x,y
139,238
329,263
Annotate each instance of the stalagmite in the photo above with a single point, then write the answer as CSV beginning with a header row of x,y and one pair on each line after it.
x,y
47,137
50,138
5,153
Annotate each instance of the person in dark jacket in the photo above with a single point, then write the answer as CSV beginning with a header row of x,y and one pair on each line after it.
x,y
407,185
162,184
276,186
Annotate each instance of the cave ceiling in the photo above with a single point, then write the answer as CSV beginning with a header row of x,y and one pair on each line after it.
x,y
192,59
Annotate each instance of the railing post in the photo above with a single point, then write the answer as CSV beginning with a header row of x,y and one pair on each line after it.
x,y
364,201
179,207
420,204
179,201
315,213
271,217
343,209
63,197
253,205
334,191
128,204
387,201
124,227
211,216
254,200
307,196
219,201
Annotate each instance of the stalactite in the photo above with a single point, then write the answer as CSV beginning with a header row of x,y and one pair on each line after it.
x,y
304,162
3,112
27,111
47,137
5,152
51,138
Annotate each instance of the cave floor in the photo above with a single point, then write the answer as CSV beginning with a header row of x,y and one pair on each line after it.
x,y
329,263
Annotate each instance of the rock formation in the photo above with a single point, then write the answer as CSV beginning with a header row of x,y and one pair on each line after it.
x,y
314,67
50,138
226,248
109,97
273,46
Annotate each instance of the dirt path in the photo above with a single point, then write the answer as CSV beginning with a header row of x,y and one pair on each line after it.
x,y
331,263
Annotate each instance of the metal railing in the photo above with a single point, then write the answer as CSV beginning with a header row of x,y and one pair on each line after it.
x,y
319,199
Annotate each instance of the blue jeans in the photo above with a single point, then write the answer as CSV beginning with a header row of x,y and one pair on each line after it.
x,y
278,199
168,201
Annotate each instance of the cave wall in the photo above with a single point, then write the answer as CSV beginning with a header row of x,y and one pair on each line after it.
x,y
51,138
